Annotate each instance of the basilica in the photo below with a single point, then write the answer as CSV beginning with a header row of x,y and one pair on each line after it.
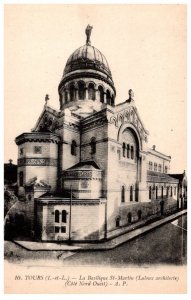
x,y
85,171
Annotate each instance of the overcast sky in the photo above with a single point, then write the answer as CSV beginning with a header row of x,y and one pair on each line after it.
x,y
145,46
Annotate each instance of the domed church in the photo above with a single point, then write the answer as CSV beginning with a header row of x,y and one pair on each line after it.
x,y
85,172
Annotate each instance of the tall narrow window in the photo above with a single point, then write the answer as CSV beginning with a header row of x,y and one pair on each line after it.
x,y
66,96
171,191
117,222
123,194
174,190
129,217
162,191
73,148
93,145
166,169
156,192
64,214
91,92
81,88
101,93
150,192
108,97
21,178
72,93
132,152
57,216
131,193
128,151
124,149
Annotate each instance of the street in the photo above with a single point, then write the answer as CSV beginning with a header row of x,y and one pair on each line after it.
x,y
164,245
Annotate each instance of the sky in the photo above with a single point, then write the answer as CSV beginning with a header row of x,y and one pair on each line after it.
x,y
145,46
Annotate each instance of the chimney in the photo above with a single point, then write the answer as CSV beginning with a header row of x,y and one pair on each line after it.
x,y
154,147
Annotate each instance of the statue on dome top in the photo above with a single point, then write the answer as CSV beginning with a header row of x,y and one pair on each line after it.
x,y
88,33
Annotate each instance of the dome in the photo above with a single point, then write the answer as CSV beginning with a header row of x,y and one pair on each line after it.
x,y
86,78
87,57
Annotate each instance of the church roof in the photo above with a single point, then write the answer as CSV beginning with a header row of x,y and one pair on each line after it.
x,y
85,165
87,57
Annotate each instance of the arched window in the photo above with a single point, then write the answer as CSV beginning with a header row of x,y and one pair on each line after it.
x,y
57,216
175,190
129,217
150,192
132,152
124,150
66,96
112,100
108,97
64,215
91,92
131,193
93,145
117,221
128,151
21,178
123,194
167,191
73,148
101,93
81,89
72,93
139,214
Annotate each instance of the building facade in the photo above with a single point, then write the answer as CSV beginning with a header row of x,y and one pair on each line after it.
x,y
85,170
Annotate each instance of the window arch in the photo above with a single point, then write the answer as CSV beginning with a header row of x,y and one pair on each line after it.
x,y
21,178
101,93
123,194
132,152
124,149
64,216
73,148
72,92
93,145
81,88
57,216
91,91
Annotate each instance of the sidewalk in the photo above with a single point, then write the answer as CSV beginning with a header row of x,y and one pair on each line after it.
x,y
110,244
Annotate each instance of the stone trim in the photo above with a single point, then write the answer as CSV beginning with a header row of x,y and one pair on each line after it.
x,y
67,201
77,174
37,137
37,161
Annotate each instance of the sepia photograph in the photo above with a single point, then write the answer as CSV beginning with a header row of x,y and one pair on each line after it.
x,y
95,150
